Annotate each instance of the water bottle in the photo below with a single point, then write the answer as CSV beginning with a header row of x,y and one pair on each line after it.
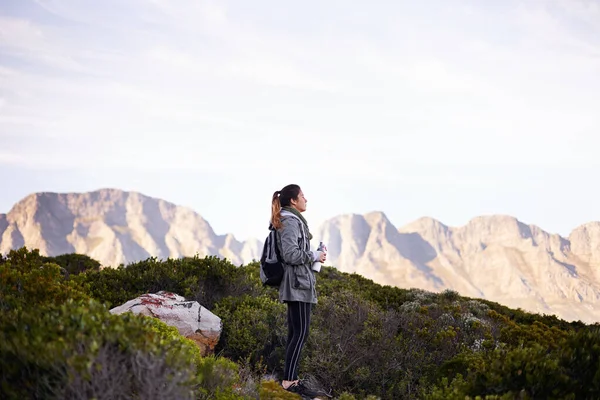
x,y
317,264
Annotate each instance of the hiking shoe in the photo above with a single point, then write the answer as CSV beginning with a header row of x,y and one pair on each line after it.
x,y
315,386
304,391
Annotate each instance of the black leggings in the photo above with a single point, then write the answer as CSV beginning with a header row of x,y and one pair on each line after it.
x,y
298,326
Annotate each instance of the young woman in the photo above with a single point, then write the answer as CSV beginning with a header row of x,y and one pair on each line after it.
x,y
298,287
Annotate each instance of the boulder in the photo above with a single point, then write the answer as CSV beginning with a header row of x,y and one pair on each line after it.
x,y
191,319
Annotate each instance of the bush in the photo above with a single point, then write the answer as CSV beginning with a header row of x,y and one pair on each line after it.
x,y
58,352
205,280
55,342
74,263
365,338
271,390
27,281
219,379
254,329
579,355
352,346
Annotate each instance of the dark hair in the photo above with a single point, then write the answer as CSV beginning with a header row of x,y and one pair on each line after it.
x,y
282,198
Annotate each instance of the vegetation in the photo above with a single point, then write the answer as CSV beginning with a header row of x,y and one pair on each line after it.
x,y
367,341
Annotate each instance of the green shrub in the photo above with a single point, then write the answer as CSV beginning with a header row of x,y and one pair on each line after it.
x,y
530,369
456,391
58,351
205,280
346,396
579,355
524,372
219,379
26,280
365,338
450,295
74,263
272,390
254,328
516,334
57,343
353,347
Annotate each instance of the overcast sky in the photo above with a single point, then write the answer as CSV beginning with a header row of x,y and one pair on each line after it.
x,y
447,108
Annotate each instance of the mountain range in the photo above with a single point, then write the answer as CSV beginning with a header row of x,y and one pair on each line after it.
x,y
495,257
115,227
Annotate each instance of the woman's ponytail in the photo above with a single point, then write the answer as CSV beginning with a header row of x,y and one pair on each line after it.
x,y
282,198
275,210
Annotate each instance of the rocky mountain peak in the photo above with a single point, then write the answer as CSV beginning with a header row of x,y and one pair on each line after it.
x,y
376,217
424,224
585,243
590,229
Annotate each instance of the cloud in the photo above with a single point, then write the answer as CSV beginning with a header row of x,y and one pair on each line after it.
x,y
203,16
582,10
110,15
34,161
131,82
27,41
20,33
553,32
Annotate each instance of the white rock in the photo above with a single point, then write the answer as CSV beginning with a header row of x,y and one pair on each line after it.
x,y
190,318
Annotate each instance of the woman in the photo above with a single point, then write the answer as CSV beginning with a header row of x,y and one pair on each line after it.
x,y
298,287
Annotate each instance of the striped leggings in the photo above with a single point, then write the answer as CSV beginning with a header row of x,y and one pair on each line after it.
x,y
298,326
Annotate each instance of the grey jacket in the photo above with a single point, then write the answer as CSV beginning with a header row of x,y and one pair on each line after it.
x,y
299,282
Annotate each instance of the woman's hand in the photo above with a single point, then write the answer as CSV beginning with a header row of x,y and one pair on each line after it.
x,y
322,256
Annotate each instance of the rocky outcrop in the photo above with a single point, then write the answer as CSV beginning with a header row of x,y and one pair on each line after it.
x,y
191,319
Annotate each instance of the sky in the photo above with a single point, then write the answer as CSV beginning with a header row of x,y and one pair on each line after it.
x,y
449,109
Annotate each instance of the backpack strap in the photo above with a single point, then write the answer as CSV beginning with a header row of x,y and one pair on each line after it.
x,y
279,257
263,257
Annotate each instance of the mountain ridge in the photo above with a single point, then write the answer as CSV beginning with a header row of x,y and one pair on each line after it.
x,y
496,256
115,227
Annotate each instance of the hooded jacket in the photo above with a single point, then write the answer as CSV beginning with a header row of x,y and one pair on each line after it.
x,y
299,281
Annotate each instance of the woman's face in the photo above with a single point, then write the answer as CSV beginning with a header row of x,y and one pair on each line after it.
x,y
299,203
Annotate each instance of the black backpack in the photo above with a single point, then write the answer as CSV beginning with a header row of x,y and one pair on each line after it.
x,y
271,268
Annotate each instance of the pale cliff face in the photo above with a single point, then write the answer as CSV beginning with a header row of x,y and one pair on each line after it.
x,y
494,257
585,243
115,227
